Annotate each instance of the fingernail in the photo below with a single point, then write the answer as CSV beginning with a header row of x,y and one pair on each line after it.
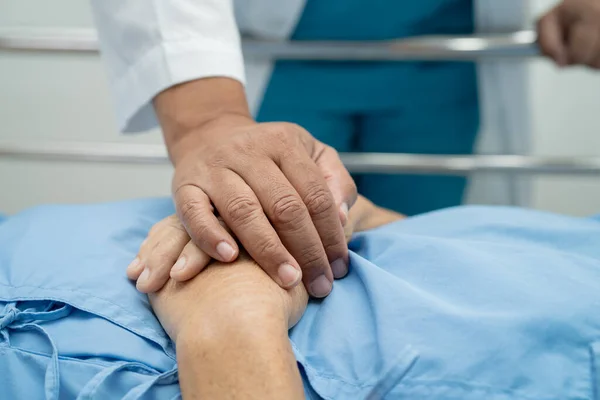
x,y
226,252
339,268
288,275
143,277
179,265
320,287
134,266
344,213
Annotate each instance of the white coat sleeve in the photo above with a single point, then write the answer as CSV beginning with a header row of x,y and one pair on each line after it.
x,y
151,45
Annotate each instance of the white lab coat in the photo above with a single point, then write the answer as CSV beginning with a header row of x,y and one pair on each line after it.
x,y
149,46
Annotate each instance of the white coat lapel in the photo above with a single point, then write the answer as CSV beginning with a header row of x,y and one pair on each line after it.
x,y
504,106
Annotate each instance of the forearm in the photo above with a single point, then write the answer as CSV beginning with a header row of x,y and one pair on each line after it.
x,y
233,362
230,327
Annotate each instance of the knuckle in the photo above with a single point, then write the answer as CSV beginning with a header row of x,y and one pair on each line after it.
x,y
312,259
287,209
190,212
242,209
160,261
155,230
174,223
280,135
218,159
319,201
284,132
243,144
267,248
335,249
190,209
192,216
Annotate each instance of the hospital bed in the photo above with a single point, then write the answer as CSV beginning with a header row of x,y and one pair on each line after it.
x,y
506,46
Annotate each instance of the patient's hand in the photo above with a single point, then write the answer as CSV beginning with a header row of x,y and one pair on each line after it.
x,y
230,325
365,215
227,294
169,252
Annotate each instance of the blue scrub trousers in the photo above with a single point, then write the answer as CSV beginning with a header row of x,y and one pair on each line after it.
x,y
407,107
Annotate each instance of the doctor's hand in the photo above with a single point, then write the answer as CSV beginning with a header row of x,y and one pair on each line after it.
x,y
570,33
284,195
168,252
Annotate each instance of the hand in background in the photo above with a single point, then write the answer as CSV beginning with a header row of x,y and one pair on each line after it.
x,y
570,33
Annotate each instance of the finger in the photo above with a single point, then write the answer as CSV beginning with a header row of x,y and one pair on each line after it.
x,y
158,264
551,37
311,185
596,62
308,180
338,180
290,218
190,263
572,11
134,270
243,213
197,215
584,40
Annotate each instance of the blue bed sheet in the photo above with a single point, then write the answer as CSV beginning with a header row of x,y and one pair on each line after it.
x,y
465,303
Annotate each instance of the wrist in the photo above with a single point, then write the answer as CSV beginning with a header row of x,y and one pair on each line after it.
x,y
193,109
233,298
245,361
184,141
214,324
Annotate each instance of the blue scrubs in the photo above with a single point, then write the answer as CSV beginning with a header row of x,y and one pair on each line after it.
x,y
467,303
409,107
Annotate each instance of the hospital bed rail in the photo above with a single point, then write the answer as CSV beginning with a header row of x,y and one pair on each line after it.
x,y
126,153
424,48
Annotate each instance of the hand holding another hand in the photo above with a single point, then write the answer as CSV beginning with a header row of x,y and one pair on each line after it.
x,y
283,194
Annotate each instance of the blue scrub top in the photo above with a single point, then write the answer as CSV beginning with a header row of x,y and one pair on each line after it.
x,y
402,107
467,303
364,87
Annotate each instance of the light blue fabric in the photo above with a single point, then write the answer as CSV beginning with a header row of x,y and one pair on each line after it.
x,y
71,324
465,303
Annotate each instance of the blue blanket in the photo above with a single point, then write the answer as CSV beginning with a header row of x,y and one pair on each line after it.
x,y
465,303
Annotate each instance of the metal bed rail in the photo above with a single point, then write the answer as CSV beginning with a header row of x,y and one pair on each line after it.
x,y
511,45
126,153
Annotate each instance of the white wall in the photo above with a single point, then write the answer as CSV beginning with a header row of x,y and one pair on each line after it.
x,y
46,96
64,97
566,122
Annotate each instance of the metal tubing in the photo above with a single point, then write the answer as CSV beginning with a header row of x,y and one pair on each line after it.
x,y
513,45
359,163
